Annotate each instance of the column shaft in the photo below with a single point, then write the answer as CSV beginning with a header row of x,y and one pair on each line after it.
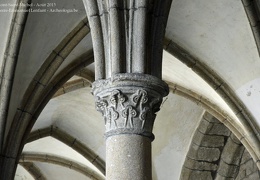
x,y
128,157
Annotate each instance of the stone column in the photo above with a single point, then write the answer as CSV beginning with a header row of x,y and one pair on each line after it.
x,y
128,157
128,103
127,38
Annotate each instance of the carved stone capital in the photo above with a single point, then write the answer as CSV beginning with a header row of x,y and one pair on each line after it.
x,y
129,102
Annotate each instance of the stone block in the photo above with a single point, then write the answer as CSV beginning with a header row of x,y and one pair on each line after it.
x,y
207,116
203,126
219,129
195,175
213,141
250,167
235,139
232,153
254,176
227,170
242,173
200,165
203,154
220,177
246,157
200,175
208,140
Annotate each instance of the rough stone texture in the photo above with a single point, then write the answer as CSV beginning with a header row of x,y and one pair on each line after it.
x,y
230,158
195,175
248,169
246,157
208,117
227,170
200,165
205,150
235,139
128,157
203,153
219,177
216,150
232,153
219,129
210,125
208,140
129,102
204,125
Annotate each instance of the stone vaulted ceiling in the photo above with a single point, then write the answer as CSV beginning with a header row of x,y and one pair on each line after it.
x,y
208,126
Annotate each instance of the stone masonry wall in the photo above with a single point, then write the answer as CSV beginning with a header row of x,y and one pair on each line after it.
x,y
248,169
215,153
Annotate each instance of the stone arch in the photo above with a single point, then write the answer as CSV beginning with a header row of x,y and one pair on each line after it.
x,y
215,152
249,132
33,101
70,141
31,157
16,30
33,170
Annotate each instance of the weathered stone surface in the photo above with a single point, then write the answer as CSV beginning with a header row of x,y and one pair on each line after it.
x,y
246,157
204,125
235,139
248,171
219,129
185,174
188,174
200,165
203,154
128,157
129,102
250,167
241,174
232,153
210,118
228,170
208,140
209,125
200,175
253,176
220,177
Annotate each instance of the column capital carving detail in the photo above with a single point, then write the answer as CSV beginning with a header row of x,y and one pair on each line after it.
x,y
129,102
